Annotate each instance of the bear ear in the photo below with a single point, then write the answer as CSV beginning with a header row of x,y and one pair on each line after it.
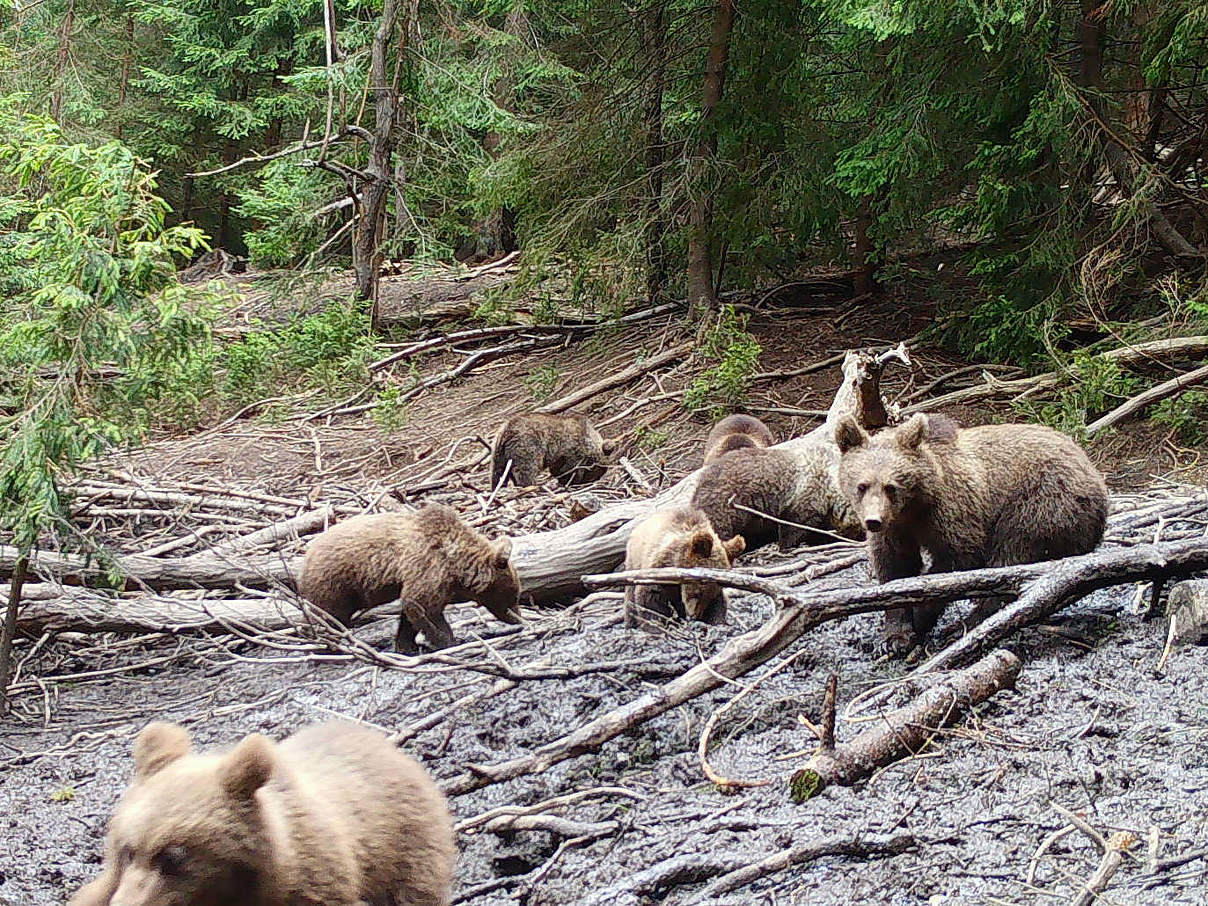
x,y
913,432
502,551
849,435
157,746
248,767
701,544
735,546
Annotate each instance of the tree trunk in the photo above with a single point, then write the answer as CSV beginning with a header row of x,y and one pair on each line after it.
x,y
10,627
867,259
377,189
1092,37
702,294
654,41
56,101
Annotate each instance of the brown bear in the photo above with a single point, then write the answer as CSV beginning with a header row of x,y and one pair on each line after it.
x,y
790,496
677,537
427,560
566,445
995,495
736,432
335,814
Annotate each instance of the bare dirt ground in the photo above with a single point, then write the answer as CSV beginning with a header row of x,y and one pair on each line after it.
x,y
1090,728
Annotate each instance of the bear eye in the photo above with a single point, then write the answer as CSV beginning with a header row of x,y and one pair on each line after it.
x,y
862,488
171,861
891,489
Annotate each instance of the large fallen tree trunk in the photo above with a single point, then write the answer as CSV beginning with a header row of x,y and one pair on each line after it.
x,y
1049,586
551,564
903,731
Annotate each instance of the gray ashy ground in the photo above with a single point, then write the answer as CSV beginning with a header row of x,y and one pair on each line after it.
x,y
1091,730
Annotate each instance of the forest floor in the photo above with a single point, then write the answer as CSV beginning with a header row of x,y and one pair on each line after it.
x,y
1090,727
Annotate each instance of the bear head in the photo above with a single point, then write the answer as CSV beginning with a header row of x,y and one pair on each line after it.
x,y
703,548
890,476
495,584
189,831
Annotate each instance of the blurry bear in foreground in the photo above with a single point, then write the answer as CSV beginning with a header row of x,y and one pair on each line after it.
x,y
334,815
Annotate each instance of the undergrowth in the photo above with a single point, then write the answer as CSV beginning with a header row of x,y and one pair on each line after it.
x,y
734,354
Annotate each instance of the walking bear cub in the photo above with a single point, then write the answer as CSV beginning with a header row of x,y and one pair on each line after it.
x,y
995,495
677,537
736,432
427,560
567,445
333,815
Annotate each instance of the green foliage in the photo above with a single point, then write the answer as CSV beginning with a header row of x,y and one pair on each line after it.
x,y
390,410
650,439
1186,415
88,265
542,382
328,350
1099,385
735,355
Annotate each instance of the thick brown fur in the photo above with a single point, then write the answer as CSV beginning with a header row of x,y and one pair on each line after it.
x,y
736,432
565,445
775,483
427,560
335,815
994,495
679,537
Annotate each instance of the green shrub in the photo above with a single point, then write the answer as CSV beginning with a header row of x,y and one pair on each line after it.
x,y
735,355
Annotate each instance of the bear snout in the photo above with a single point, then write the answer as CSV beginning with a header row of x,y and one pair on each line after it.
x,y
873,524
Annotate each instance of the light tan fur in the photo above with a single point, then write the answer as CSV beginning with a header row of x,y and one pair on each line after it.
x,y
736,432
565,445
334,815
994,495
680,537
427,560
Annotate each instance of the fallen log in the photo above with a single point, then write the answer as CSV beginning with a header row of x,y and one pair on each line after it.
x,y
1150,396
85,610
904,731
202,570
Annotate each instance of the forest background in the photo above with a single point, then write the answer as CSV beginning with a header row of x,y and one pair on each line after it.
x,y
632,152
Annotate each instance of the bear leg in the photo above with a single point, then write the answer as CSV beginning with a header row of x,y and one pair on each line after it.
x,y
404,638
645,603
432,623
896,557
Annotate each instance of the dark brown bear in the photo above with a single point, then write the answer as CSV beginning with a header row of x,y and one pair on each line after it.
x,y
427,560
677,537
799,495
995,495
335,815
565,445
736,432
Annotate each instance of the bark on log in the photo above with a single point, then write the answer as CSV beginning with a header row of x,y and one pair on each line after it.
x,y
551,564
84,610
1150,396
908,729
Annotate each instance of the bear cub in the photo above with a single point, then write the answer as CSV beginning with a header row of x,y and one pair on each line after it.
x,y
994,495
736,432
335,814
427,560
679,537
566,445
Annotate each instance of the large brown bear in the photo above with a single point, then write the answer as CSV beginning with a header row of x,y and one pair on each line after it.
x,y
333,815
995,495
565,445
736,432
677,537
427,560
769,495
